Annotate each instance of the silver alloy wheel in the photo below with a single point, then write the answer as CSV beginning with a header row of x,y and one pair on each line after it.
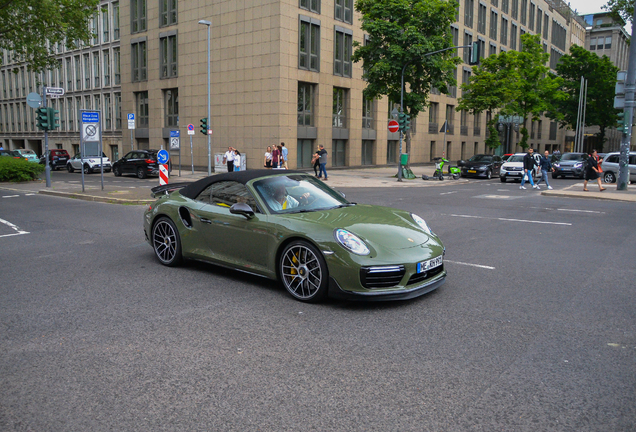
x,y
165,242
488,174
302,272
609,177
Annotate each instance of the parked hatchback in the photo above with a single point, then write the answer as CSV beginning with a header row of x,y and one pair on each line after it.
x,y
91,163
57,158
141,163
570,164
29,155
610,167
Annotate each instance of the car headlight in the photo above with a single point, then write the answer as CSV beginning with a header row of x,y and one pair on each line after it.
x,y
351,242
578,165
557,165
422,223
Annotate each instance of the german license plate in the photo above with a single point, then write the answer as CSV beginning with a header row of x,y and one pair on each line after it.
x,y
472,171
430,264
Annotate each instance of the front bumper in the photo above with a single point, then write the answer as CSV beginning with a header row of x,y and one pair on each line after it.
x,y
569,171
474,172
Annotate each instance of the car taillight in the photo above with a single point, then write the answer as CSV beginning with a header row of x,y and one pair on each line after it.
x,y
149,161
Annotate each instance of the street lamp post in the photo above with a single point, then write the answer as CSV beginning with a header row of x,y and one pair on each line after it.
x,y
208,24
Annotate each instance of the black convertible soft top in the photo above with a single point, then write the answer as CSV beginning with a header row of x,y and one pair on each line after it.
x,y
194,189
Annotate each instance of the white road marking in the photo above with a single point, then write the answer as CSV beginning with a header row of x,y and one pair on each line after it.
x,y
512,220
14,227
10,196
581,211
30,194
469,264
448,193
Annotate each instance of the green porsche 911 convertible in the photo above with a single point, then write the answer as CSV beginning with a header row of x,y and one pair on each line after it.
x,y
290,226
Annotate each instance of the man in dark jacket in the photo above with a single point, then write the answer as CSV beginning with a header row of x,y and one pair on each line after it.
x,y
528,166
546,167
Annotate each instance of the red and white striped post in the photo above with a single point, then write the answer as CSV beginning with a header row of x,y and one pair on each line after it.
x,y
163,174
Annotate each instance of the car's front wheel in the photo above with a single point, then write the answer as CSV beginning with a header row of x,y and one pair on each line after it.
x,y
69,168
166,242
609,177
304,272
488,174
87,169
503,179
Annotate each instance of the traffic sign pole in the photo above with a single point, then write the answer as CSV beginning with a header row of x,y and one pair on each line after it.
x,y
47,165
191,155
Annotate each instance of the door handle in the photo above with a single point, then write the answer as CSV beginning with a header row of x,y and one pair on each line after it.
x,y
206,221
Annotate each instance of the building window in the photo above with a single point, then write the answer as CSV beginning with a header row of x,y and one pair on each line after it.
x,y
344,10
463,122
118,111
339,113
465,79
504,6
69,75
309,45
539,20
95,28
339,148
108,115
305,104
493,24
78,73
167,12
367,113
481,19
513,36
106,55
342,52
477,125
137,16
168,55
117,65
608,42
468,40
455,33
310,5
553,131
367,152
524,10
171,98
432,117
504,31
116,21
141,103
96,71
452,90
139,61
531,17
514,10
469,8
450,115
546,23
87,71
69,114
105,24
305,149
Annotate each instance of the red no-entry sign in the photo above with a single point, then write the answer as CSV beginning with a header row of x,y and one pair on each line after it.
x,y
394,126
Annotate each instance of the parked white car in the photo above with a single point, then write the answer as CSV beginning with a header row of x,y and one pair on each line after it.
x,y
610,167
513,168
91,164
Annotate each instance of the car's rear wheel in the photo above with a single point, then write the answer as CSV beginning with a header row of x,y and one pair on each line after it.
x,y
166,242
304,272
116,171
87,169
141,173
609,177
69,168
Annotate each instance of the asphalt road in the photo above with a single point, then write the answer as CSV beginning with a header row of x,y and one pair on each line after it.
x,y
534,330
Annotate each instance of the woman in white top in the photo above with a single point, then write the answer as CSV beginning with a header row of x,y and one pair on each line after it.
x,y
267,162
237,160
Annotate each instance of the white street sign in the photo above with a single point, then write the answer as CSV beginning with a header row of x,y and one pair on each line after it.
x,y
174,143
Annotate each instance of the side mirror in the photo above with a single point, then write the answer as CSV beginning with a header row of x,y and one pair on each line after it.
x,y
242,209
341,193
461,163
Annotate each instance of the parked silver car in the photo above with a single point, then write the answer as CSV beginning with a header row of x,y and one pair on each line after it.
x,y
91,163
610,167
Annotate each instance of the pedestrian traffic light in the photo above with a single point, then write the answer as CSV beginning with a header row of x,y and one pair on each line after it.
x,y
53,118
402,120
204,126
473,54
407,122
622,127
42,117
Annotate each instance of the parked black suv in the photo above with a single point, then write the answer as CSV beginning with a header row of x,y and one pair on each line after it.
x,y
57,158
142,163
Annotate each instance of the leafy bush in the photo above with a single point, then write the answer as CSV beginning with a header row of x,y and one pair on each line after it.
x,y
17,170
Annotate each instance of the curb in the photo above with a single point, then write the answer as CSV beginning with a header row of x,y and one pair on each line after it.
x,y
592,195
107,200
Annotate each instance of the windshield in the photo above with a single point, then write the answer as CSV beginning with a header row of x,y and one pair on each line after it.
x,y
297,193
27,151
573,157
480,158
515,158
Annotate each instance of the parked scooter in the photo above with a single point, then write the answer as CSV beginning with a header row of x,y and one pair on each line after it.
x,y
453,172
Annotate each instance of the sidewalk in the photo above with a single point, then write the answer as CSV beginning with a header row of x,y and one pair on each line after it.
x,y
371,177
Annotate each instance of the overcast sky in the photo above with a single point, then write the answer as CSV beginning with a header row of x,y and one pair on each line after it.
x,y
587,6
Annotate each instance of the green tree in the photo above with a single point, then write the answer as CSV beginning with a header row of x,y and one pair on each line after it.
x,y
622,10
519,83
401,34
601,81
31,29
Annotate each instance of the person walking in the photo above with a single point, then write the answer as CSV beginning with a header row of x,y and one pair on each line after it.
x,y
529,163
546,166
228,158
323,162
237,160
284,150
315,160
275,157
591,172
267,161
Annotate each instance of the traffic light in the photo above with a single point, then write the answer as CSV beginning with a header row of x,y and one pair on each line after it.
x,y
54,118
42,118
407,122
204,126
402,120
622,127
473,54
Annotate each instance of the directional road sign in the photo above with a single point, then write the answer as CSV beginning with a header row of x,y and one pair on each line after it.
x,y
163,156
